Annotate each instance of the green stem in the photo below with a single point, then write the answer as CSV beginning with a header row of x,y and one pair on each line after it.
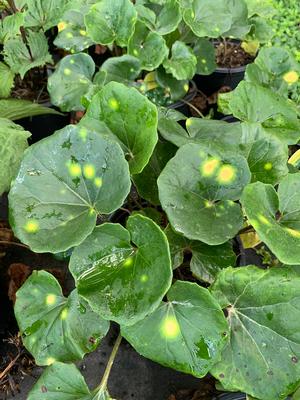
x,y
110,363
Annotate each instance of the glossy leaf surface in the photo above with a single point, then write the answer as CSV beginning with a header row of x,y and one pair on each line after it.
x,y
64,181
116,269
56,328
264,346
183,62
189,331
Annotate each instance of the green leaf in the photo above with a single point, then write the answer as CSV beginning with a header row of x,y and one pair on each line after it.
x,y
205,52
116,269
264,346
68,381
64,182
261,30
131,119
6,80
276,216
124,69
15,109
111,21
10,26
44,13
206,260
240,24
189,331
17,56
56,328
197,189
163,18
73,37
278,116
146,181
149,47
262,8
13,141
177,89
207,18
183,62
71,80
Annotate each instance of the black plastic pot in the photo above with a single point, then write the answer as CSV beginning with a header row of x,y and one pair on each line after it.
x,y
181,105
230,77
42,126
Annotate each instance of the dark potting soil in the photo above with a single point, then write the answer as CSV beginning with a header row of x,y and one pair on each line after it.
x,y
207,104
33,87
231,55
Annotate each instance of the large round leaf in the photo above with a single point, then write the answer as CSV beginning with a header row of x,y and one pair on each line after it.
x,y
206,17
131,119
262,356
197,188
124,69
116,270
183,62
66,380
149,47
111,21
186,333
206,260
63,183
56,328
276,217
71,80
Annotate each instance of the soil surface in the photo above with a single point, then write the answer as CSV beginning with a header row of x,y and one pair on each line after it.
x,y
231,55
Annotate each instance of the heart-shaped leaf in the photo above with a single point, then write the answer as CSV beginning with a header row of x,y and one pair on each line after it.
x,y
264,346
276,216
183,62
66,380
130,117
56,328
206,260
111,21
71,80
72,35
116,269
13,141
278,116
149,47
124,69
197,188
207,18
189,331
64,181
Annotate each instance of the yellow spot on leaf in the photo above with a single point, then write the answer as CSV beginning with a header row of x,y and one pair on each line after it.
x,y
170,328
188,122
209,166
226,174
72,61
61,26
208,204
50,360
69,35
128,262
98,182
264,220
50,299
203,61
92,211
31,226
268,166
67,71
113,104
135,52
186,87
82,32
144,278
75,170
83,134
293,232
89,171
64,314
291,77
